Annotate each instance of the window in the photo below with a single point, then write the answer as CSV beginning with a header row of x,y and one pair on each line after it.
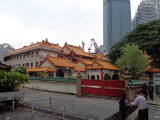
x,y
27,64
107,77
20,56
88,76
115,77
31,64
59,73
97,77
36,64
93,77
32,54
37,53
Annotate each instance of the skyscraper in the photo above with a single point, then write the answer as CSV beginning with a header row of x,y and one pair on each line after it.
x,y
116,21
147,11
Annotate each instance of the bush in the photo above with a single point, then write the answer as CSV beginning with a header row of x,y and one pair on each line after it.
x,y
10,80
20,69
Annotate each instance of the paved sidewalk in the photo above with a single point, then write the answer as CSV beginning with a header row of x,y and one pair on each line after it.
x,y
21,114
156,100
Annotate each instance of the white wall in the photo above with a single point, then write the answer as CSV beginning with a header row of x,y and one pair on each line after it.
x,y
54,86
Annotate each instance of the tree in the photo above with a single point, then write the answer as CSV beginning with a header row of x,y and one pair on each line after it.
x,y
20,69
10,80
146,36
132,60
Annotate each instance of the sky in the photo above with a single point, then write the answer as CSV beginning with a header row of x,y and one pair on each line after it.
x,y
23,22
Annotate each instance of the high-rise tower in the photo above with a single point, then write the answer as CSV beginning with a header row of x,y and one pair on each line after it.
x,y
148,10
116,21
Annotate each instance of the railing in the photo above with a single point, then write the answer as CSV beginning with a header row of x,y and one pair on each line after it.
x,y
54,79
135,83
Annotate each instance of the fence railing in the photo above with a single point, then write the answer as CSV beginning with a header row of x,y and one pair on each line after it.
x,y
135,83
54,79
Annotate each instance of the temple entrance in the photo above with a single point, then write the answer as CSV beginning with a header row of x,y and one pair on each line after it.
x,y
60,73
115,77
107,77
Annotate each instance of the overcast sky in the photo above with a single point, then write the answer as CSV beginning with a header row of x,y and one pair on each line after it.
x,y
71,21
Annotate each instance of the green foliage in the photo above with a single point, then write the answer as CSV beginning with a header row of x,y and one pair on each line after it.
x,y
20,69
132,60
10,80
146,36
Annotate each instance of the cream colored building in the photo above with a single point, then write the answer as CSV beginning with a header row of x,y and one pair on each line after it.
x,y
31,56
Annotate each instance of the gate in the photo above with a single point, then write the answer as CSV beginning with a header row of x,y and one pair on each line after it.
x,y
113,88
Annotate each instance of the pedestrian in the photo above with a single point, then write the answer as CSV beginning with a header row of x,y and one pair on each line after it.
x,y
123,106
145,90
150,89
141,102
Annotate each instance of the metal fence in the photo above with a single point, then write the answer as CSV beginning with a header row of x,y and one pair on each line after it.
x,y
62,106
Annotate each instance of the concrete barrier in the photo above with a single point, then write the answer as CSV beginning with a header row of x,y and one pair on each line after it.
x,y
53,86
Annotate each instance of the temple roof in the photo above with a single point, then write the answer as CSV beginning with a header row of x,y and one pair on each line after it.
x,y
63,62
76,50
37,45
153,70
102,65
85,61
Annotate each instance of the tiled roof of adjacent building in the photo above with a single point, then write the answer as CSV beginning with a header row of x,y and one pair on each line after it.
x,y
85,61
41,69
44,44
107,65
77,50
64,62
151,69
90,64
3,66
102,64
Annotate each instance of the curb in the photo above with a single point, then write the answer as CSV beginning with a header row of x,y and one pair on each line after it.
x,y
153,104
133,116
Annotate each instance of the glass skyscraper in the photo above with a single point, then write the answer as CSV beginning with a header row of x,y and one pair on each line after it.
x,y
116,21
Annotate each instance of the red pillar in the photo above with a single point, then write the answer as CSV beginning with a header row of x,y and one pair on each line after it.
x,y
101,82
102,74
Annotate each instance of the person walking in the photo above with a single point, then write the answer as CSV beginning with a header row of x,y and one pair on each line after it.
x,y
123,106
145,90
141,102
150,89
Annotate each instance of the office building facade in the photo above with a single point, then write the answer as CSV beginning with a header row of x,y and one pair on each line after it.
x,y
116,21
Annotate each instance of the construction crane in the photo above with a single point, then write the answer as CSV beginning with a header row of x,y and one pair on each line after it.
x,y
83,44
95,45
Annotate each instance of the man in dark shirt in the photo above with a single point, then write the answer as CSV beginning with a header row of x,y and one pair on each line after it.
x,y
123,107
